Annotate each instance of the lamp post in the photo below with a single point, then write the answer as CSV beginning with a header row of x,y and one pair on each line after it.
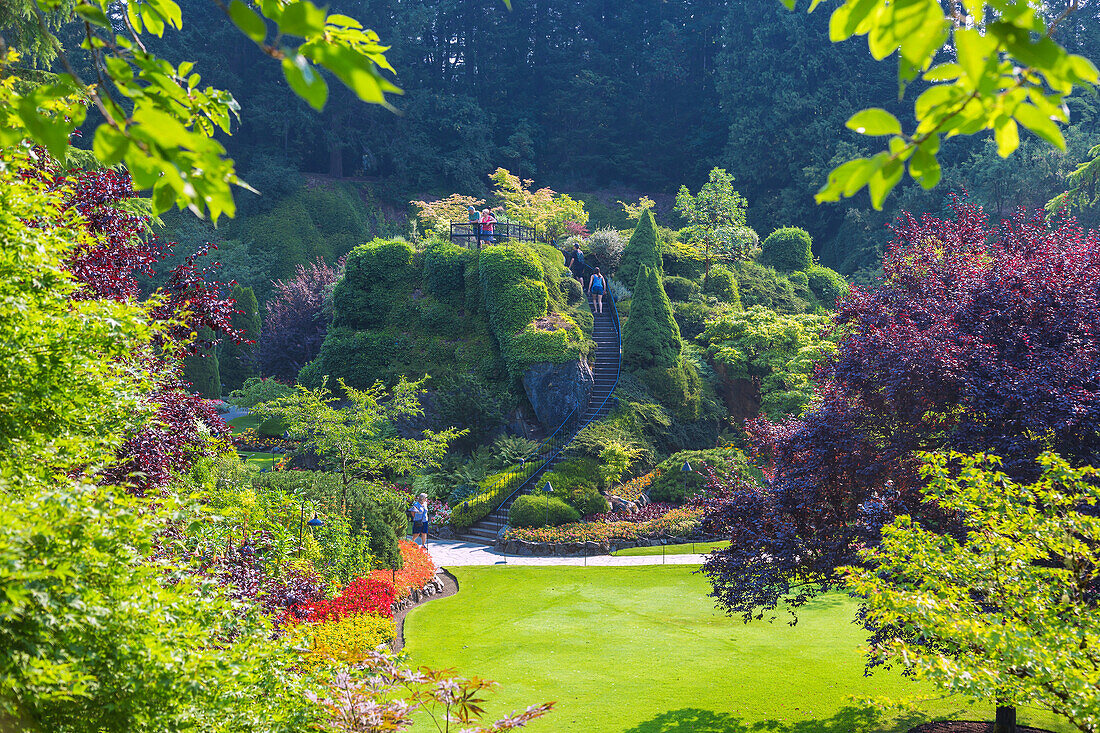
x,y
315,522
548,490
686,468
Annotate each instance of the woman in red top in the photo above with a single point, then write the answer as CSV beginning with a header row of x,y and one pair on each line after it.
x,y
487,221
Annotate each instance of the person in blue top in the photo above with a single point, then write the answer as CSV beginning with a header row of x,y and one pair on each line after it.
x,y
596,288
419,511
576,264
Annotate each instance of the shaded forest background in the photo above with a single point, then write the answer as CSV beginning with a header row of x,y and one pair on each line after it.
x,y
597,98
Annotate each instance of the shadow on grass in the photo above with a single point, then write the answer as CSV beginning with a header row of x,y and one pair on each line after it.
x,y
848,719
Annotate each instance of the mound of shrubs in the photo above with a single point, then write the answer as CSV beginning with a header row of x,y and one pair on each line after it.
x,y
788,249
541,511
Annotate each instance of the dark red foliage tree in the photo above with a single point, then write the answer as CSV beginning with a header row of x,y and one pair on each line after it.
x,y
123,248
295,323
980,339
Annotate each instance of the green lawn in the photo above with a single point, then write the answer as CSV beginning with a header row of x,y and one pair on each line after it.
x,y
685,549
258,459
641,650
242,423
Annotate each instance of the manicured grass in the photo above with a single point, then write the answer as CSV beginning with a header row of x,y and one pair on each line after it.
x,y
244,422
687,549
642,650
258,459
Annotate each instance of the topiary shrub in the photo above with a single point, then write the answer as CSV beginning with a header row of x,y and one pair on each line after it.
x,y
650,337
680,288
377,276
572,290
723,285
541,511
788,249
799,279
445,270
682,259
827,285
641,251
512,288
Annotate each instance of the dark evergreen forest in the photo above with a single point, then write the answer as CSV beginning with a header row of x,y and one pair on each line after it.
x,y
592,96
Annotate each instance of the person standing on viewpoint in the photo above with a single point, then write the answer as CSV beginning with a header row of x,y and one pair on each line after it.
x,y
419,510
487,221
595,288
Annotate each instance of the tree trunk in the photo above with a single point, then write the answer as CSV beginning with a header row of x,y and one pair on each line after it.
x,y
1006,719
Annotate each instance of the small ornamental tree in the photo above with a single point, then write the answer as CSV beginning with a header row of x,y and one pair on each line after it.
x,y
715,216
437,216
641,250
980,339
295,322
788,250
235,360
360,441
1006,611
545,209
651,337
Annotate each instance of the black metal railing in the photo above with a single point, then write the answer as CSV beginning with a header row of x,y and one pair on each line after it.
x,y
473,234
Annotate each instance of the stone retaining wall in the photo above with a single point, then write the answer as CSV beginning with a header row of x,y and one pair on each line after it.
x,y
579,549
434,587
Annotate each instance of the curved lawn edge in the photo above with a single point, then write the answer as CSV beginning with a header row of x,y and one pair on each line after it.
x,y
450,587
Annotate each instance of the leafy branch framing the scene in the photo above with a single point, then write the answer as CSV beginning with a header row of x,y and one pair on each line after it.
x,y
1007,71
156,118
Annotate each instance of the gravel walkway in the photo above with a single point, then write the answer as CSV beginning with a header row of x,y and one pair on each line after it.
x,y
455,553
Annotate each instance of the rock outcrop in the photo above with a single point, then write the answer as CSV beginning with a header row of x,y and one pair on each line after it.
x,y
556,390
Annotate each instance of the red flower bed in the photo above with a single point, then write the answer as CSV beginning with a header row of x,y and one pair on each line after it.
x,y
417,571
642,514
362,595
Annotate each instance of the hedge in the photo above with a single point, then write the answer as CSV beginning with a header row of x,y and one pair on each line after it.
x,y
541,511
201,369
234,361
788,249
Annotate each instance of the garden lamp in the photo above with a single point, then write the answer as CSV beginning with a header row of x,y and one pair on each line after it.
x,y
686,468
316,522
548,490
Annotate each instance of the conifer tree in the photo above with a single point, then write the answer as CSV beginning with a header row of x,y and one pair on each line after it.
x,y
651,337
235,359
201,369
641,250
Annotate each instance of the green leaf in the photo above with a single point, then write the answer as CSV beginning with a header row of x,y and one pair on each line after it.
x,y
93,14
974,51
248,20
305,81
882,182
874,121
109,145
302,18
788,4
1030,117
1007,136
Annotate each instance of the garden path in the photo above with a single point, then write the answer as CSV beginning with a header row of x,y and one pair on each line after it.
x,y
454,553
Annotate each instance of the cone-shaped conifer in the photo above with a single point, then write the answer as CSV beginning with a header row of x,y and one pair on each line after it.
x,y
651,337
641,250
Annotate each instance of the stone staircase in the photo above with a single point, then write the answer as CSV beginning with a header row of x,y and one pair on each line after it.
x,y
606,368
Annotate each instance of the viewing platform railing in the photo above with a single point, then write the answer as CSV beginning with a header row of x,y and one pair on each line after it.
x,y
472,233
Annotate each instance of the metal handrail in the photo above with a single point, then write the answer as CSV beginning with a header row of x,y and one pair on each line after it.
x,y
464,231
